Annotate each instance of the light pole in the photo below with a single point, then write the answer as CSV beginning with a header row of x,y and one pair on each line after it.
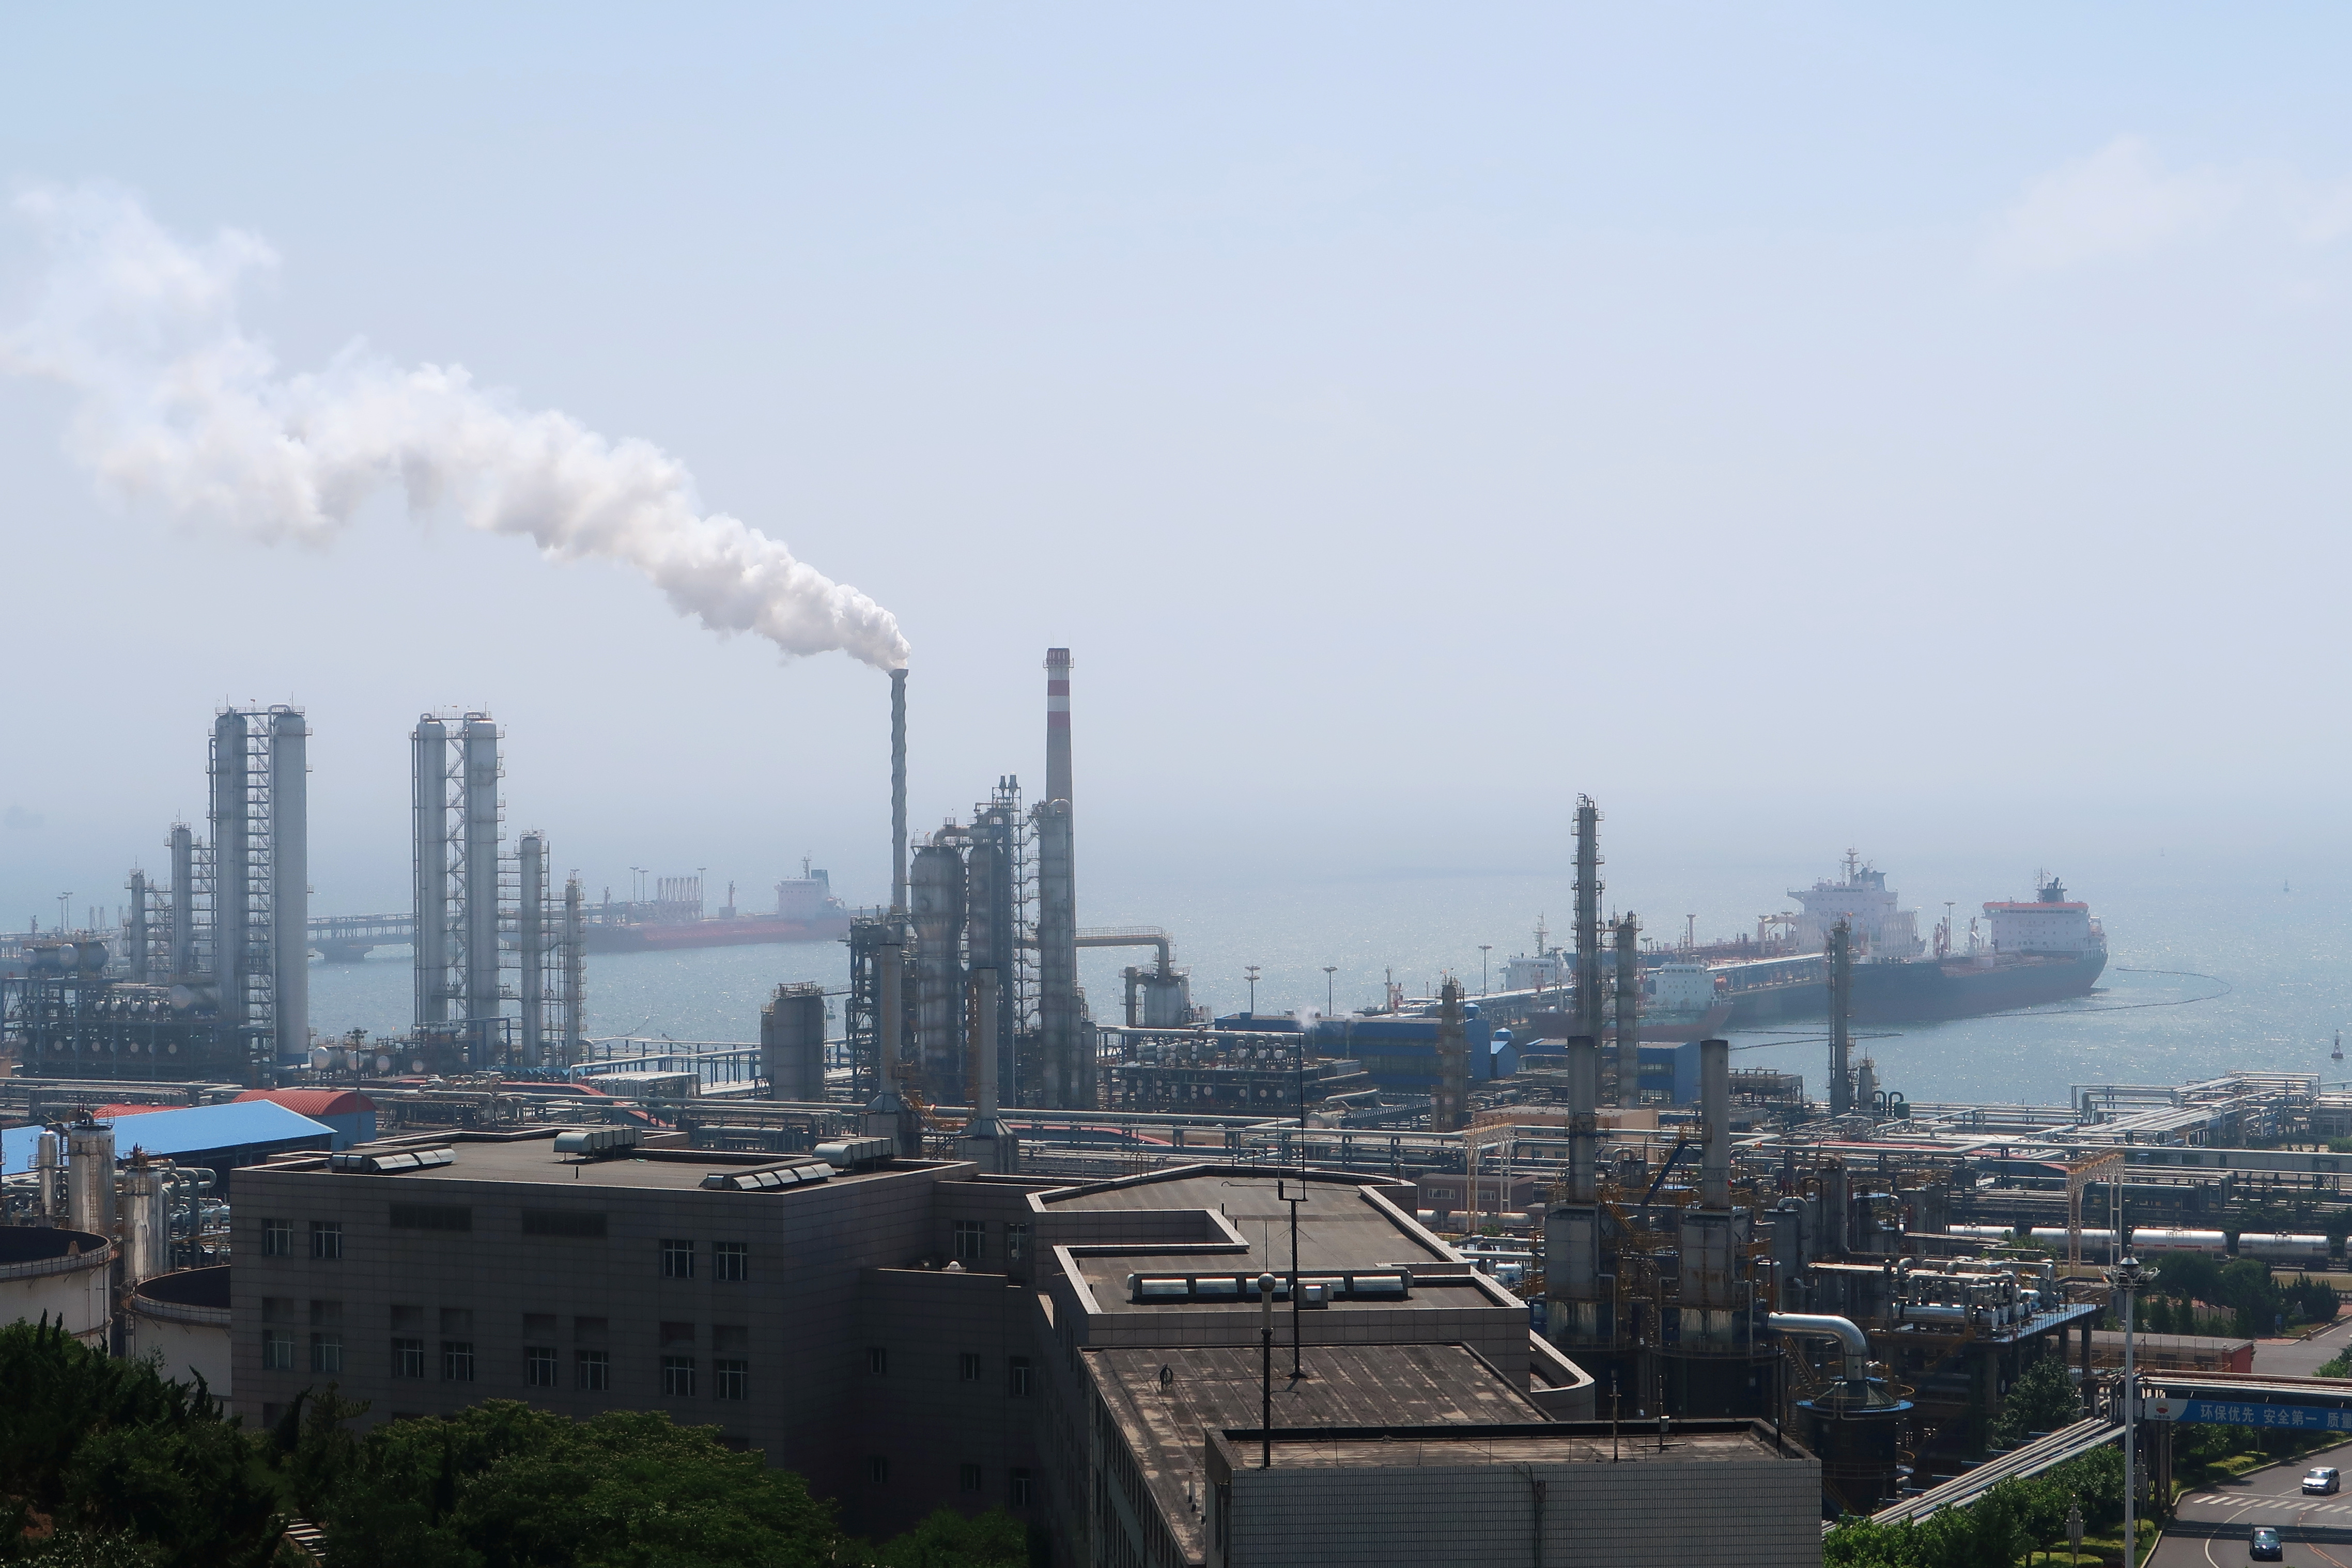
x,y
1483,948
1251,971
2125,1277
1328,1006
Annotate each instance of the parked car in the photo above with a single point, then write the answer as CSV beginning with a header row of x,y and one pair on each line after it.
x,y
2322,1480
2266,1548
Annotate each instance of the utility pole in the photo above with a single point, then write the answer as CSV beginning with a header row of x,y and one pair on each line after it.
x,y
1266,1372
2125,1277
1297,1370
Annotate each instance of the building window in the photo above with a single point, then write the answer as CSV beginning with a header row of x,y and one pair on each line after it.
x,y
967,1366
877,1360
1016,1490
591,1370
967,1478
1016,1377
877,1469
408,1358
327,1239
1016,1241
730,1261
678,1377
327,1353
677,1259
539,1366
563,1222
730,1377
277,1350
277,1238
970,1238
456,1361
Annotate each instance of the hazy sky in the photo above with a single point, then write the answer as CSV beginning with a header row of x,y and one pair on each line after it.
x,y
1793,425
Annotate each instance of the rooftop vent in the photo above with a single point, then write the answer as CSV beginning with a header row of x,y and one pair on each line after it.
x,y
596,1142
393,1164
849,1154
767,1179
1382,1285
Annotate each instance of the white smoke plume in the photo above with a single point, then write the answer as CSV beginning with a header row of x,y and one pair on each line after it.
x,y
179,405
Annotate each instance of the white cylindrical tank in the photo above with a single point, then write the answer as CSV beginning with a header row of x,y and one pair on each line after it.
x,y
58,1274
182,1319
2056,1235
2147,1238
2283,1246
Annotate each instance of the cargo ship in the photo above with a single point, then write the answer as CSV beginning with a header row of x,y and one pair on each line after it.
x,y
2017,954
806,911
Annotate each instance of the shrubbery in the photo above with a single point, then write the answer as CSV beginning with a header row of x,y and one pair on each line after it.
x,y
1995,1530
104,1464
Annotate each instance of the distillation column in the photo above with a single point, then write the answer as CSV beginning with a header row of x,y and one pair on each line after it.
x,y
1589,1014
183,904
987,1139
233,936
428,748
138,953
1629,1012
289,881
481,918
937,891
1449,1107
531,947
575,966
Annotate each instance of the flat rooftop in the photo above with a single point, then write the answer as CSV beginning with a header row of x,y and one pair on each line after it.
x,y
1216,1387
1564,1443
1341,1229
533,1159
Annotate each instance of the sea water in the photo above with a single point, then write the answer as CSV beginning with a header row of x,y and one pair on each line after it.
x,y
2209,971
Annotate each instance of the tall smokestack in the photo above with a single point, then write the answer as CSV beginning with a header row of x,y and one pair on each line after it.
x,y
1589,1012
1629,1012
1058,724
1841,1018
232,873
898,789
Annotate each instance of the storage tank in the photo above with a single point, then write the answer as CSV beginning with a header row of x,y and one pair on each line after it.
x,y
2284,1246
183,1320
2056,1236
2149,1238
58,1274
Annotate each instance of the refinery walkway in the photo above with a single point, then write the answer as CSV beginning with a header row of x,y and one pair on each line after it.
x,y
2032,1458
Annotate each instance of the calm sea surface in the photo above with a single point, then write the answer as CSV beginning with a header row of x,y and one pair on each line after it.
x,y
2209,972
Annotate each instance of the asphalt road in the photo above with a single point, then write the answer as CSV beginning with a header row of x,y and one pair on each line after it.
x,y
2213,1526
2303,1357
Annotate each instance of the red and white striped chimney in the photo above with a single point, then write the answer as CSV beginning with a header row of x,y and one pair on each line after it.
x,y
1058,724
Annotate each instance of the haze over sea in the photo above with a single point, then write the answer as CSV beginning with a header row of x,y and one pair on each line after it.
x,y
2212,967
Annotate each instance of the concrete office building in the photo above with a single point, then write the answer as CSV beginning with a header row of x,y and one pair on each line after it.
x,y
906,1334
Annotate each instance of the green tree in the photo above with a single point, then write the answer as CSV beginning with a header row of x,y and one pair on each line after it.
x,y
504,1484
2042,1399
115,1456
951,1540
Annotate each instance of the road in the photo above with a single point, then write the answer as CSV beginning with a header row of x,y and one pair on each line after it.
x,y
2212,1525
2303,1357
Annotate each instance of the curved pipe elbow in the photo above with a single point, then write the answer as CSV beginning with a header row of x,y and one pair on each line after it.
x,y
1843,1330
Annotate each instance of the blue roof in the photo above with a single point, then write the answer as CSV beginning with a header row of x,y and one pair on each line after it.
x,y
188,1130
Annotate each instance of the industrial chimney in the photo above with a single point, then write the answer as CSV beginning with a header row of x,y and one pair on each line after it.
x,y
1058,724
899,789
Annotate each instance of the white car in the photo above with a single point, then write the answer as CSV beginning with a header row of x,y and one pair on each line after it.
x,y
2321,1480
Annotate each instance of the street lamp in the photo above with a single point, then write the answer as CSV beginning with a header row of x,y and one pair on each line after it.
x,y
2125,1277
1251,971
1483,948
1328,1007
